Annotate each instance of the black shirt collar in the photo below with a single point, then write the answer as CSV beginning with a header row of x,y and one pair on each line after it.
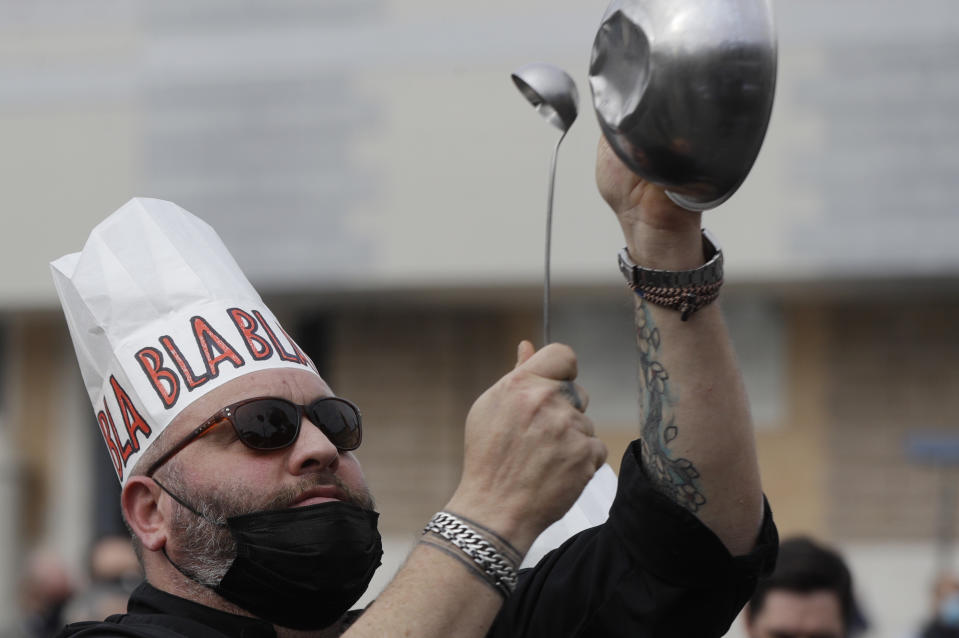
x,y
148,600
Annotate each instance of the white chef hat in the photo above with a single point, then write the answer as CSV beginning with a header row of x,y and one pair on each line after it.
x,y
160,314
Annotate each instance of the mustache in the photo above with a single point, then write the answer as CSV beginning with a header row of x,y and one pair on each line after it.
x,y
234,499
291,494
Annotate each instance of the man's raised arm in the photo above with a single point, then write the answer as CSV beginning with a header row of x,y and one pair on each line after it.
x,y
695,425
530,450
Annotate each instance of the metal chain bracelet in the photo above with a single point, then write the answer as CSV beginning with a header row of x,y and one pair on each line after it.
x,y
686,300
499,570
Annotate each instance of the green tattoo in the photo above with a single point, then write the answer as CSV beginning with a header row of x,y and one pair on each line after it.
x,y
678,478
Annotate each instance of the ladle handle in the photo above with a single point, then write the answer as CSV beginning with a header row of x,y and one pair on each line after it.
x,y
549,237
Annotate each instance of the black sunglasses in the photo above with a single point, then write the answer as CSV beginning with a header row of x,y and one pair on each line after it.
x,y
270,423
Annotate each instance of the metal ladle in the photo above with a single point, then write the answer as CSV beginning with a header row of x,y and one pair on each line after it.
x,y
553,94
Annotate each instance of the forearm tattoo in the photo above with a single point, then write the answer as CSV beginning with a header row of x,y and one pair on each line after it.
x,y
677,478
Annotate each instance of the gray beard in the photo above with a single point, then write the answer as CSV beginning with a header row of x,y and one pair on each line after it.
x,y
205,549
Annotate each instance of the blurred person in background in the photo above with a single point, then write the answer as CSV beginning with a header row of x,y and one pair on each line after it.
x,y
945,608
808,595
249,509
46,587
114,572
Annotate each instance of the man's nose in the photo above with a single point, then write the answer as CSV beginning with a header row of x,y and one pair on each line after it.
x,y
312,451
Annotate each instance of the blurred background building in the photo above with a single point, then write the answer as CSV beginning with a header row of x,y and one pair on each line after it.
x,y
374,171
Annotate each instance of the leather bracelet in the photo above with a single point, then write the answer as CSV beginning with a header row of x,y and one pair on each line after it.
x,y
498,569
683,290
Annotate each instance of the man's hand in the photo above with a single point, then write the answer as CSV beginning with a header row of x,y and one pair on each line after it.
x,y
530,449
657,231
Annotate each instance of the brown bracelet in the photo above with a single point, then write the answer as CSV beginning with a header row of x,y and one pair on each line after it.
x,y
686,300
684,290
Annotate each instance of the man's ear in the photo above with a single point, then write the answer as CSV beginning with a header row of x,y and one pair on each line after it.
x,y
140,500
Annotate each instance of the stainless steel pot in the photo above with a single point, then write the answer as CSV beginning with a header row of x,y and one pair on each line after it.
x,y
683,90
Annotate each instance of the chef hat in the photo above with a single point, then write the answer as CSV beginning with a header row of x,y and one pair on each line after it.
x,y
160,314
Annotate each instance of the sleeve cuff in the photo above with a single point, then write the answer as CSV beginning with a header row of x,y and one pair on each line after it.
x,y
671,543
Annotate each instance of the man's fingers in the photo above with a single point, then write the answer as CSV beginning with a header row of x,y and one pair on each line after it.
x,y
599,453
585,425
554,361
524,351
575,394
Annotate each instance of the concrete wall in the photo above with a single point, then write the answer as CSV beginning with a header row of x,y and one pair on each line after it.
x,y
389,132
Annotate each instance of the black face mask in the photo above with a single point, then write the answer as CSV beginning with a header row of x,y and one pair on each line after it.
x,y
302,567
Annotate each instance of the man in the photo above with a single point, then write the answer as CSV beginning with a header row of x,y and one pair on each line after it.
x,y
250,524
114,572
809,595
944,622
46,587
